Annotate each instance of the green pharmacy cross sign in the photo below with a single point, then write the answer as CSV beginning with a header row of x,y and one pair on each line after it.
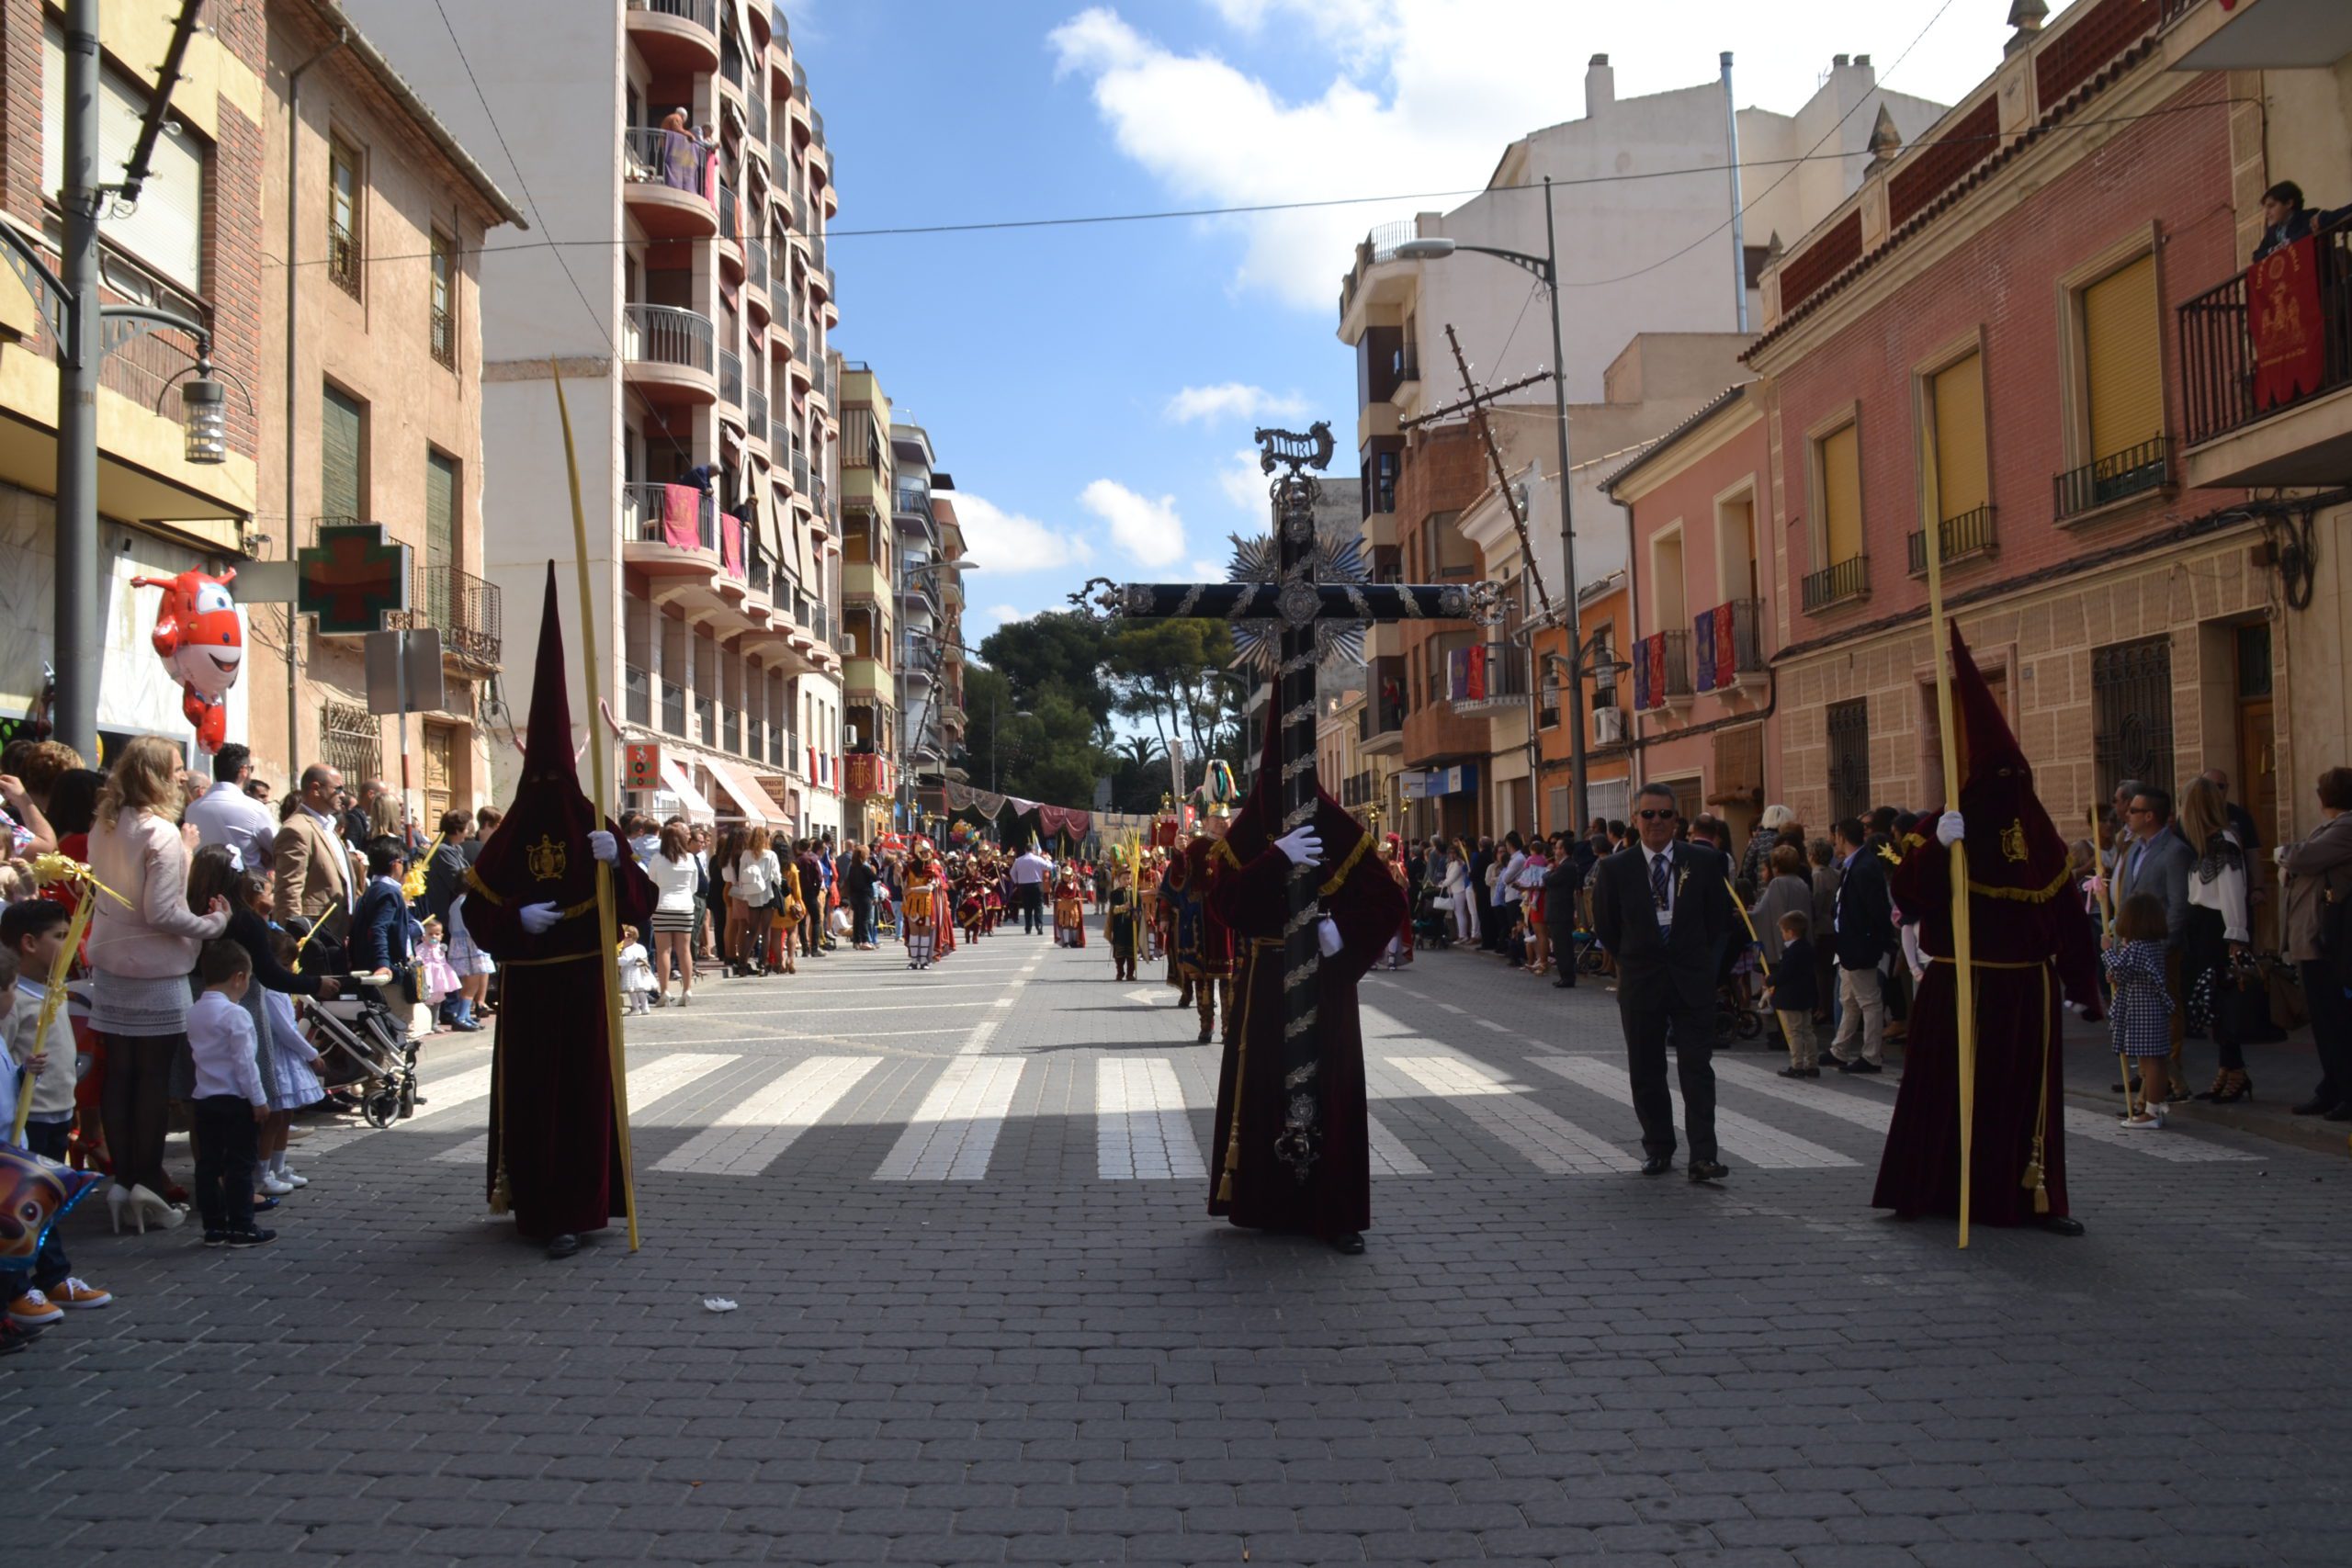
x,y
352,578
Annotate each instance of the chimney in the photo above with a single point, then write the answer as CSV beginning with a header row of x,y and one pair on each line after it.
x,y
1599,85
1840,62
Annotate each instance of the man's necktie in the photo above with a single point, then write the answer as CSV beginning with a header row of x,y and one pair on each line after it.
x,y
1658,870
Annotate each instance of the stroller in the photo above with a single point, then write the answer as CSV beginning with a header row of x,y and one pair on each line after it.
x,y
364,1049
1432,921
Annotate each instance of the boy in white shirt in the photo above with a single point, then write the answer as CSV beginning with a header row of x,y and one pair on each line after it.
x,y
31,932
230,1103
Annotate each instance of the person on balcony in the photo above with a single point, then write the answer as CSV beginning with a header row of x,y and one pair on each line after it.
x,y
2286,219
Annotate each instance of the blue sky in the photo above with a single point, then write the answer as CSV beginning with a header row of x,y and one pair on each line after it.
x,y
1092,387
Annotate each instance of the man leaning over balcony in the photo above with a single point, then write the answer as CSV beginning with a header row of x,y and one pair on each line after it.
x,y
2286,219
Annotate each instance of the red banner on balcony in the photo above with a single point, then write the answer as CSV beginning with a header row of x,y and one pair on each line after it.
x,y
2282,314
730,544
681,517
1653,655
1727,648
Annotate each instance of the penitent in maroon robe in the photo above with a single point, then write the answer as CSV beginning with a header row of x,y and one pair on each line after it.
x,y
2031,951
1247,1183
554,1142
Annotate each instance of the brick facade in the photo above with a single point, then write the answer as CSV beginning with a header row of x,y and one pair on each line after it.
x,y
1443,471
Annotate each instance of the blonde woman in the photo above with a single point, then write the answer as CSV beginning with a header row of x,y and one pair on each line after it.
x,y
675,875
141,950
751,892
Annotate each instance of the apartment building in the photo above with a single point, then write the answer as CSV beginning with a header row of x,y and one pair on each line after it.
x,y
374,411
192,246
1651,335
1986,351
871,698
694,351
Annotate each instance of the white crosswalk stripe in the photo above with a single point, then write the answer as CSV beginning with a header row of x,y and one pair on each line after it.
x,y
1862,1110
1501,1109
649,1081
753,1134
954,1130
1389,1154
1143,1131
1763,1147
2169,1143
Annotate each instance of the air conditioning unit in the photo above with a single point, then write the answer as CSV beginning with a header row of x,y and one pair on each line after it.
x,y
1608,725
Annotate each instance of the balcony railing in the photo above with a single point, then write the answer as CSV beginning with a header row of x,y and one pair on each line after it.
x,y
760,118
1728,643
343,258
756,264
1848,579
674,709
1970,534
652,156
668,334
914,498
799,473
445,339
637,696
756,409
730,731
2130,472
464,609
779,439
702,13
730,378
730,59
706,720
642,513
1377,718
1661,669
759,575
1485,677
1404,363
727,226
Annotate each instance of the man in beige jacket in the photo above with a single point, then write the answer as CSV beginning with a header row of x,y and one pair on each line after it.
x,y
317,878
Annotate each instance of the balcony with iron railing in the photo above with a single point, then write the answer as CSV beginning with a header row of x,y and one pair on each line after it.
x,y
732,67
674,709
1836,582
637,696
1486,678
671,352
676,35
2285,405
755,270
1970,534
1661,672
1375,249
731,379
756,409
913,501
1404,363
800,471
780,446
2118,476
760,121
706,719
1380,725
444,338
666,184
464,609
648,517
1729,646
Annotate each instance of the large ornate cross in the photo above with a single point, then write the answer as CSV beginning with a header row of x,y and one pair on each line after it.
x,y
1297,601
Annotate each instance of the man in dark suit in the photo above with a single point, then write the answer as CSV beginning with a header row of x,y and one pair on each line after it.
x,y
1562,884
1863,916
1663,909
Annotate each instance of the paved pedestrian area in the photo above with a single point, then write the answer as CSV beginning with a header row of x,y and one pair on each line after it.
x,y
981,1317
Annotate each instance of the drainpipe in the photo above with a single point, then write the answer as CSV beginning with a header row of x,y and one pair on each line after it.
x,y
293,232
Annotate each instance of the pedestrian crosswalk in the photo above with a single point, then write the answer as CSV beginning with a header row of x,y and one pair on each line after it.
x,y
1436,1112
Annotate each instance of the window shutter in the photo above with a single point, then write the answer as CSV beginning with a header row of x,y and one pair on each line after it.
x,y
339,442
1960,438
2126,371
440,510
1841,497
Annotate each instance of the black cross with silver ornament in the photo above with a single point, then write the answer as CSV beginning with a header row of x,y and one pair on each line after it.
x,y
1298,599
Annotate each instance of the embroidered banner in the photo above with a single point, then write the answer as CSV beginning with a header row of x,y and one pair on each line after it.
x,y
2283,316
682,517
1703,648
1726,648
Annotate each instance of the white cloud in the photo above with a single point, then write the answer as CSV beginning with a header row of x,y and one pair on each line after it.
x,y
1009,542
1231,400
1005,614
1147,530
1244,483
1208,570
1424,96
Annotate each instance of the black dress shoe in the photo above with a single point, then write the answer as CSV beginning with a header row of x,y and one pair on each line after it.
x,y
1347,1242
1800,1072
1564,985
563,1245
2311,1108
2062,1224
1708,1170
2341,1113
1657,1165
1860,1065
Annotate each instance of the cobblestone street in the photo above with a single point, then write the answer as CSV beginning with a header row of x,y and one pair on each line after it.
x,y
983,1319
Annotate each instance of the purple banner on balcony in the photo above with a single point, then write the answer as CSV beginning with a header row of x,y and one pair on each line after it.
x,y
681,517
1642,676
1702,643
1726,659
730,544
2283,314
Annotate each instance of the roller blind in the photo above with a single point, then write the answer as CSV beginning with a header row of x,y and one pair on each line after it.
x,y
1960,437
440,510
166,229
1841,497
2120,348
341,426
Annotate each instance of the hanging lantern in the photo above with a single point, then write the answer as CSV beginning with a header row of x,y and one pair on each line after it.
x,y
204,402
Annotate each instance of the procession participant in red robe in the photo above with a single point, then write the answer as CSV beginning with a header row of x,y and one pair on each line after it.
x,y
1203,945
554,1143
2031,952
1251,1184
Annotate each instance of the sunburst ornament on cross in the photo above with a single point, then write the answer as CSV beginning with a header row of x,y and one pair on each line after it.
x,y
1298,597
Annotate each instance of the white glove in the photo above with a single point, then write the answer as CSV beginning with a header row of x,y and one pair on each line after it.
x,y
1303,845
1327,936
1950,829
603,846
537,919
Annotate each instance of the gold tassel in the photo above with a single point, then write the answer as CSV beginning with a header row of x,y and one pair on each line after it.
x,y
501,1197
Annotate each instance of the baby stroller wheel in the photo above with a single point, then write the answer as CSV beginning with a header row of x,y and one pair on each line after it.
x,y
382,1108
408,1096
1747,1023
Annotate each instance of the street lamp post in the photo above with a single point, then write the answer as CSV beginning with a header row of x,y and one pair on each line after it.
x,y
1547,269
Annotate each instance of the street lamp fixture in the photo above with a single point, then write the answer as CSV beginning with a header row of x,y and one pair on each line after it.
x,y
1546,268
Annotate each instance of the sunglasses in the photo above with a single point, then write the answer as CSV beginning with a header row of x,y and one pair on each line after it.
x,y
1657,816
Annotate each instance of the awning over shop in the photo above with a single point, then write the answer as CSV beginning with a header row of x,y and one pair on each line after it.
x,y
751,801
681,798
